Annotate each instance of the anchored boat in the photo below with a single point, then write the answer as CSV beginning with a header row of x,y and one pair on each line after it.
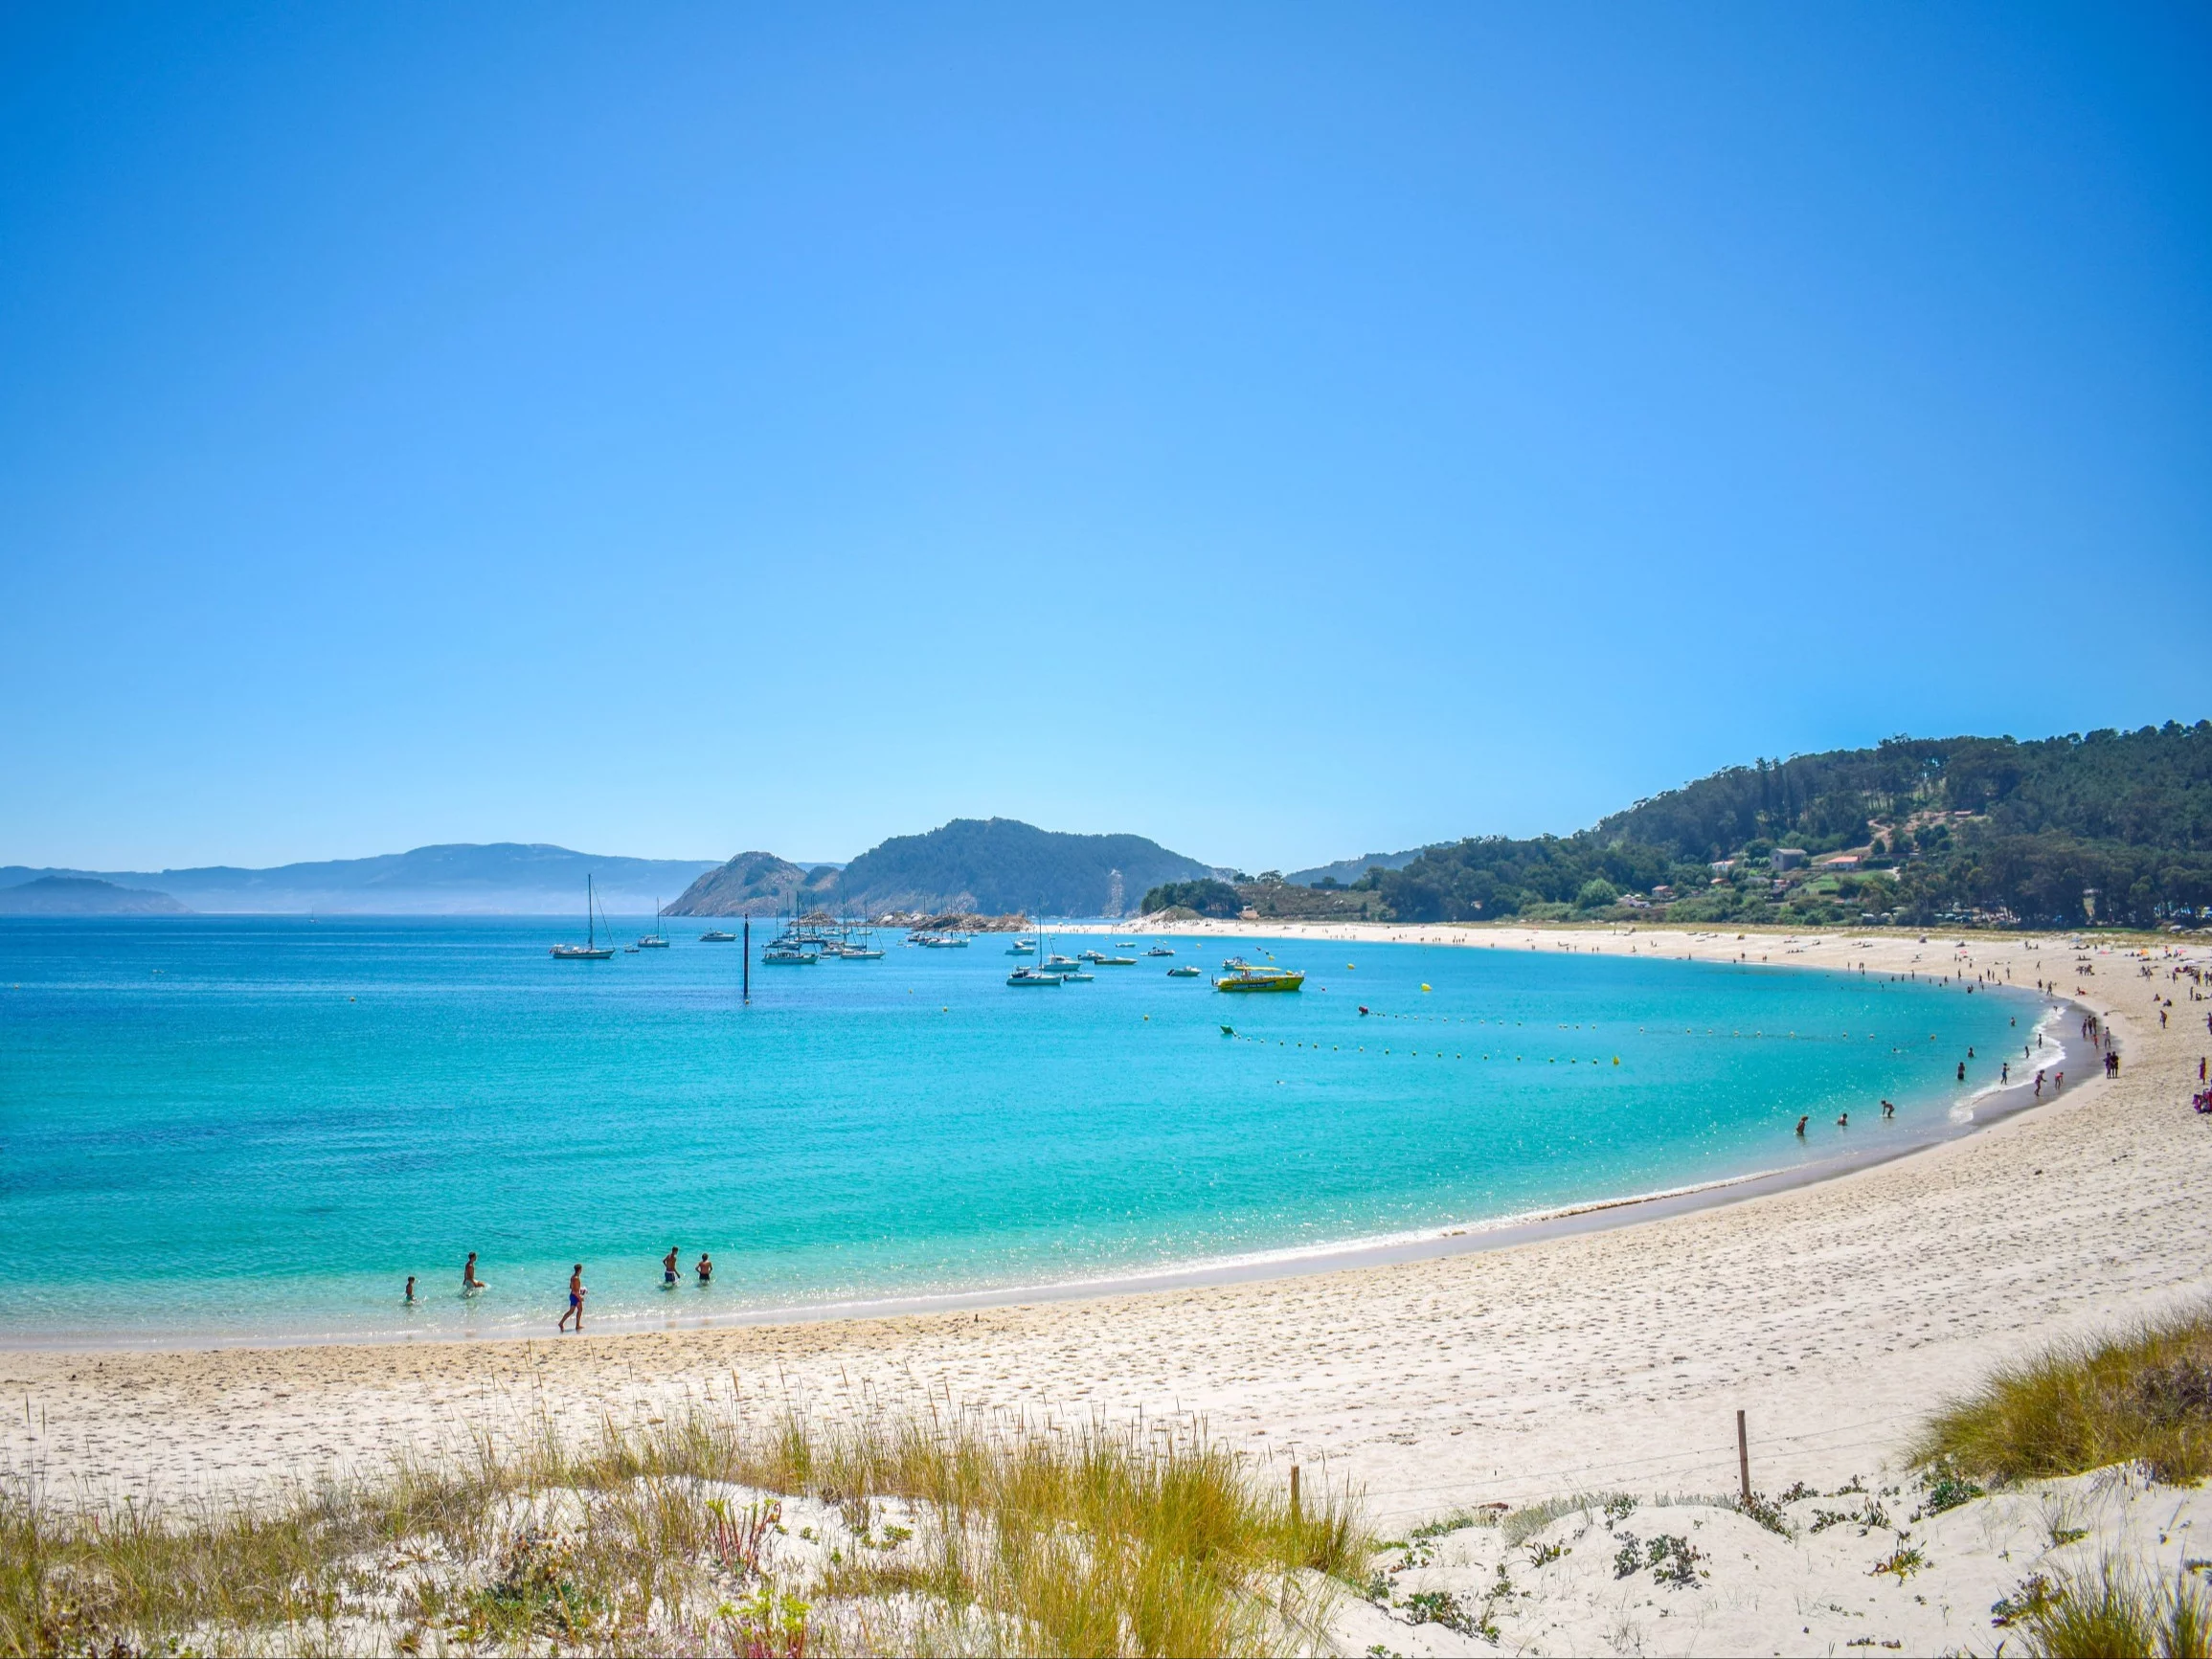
x,y
591,949
1238,974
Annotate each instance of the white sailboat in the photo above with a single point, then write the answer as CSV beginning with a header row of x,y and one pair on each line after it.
x,y
591,949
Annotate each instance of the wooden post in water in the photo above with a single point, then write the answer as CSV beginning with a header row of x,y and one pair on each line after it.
x,y
1743,1456
746,972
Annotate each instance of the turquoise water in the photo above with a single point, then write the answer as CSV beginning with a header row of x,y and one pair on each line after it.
x,y
228,1126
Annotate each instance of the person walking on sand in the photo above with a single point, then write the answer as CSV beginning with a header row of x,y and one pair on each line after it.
x,y
470,1283
706,1267
668,1267
2039,1086
577,1295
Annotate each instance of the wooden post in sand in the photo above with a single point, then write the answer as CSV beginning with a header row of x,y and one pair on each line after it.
x,y
1294,1494
1743,1456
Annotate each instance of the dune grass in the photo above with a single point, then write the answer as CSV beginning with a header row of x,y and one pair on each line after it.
x,y
1026,1538
2114,1611
2144,1397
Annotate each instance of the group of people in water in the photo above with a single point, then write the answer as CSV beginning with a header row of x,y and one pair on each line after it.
x,y
670,1275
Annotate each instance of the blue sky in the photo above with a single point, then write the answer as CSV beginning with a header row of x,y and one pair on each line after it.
x,y
1286,432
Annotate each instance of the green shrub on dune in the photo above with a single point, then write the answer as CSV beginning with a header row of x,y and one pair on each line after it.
x,y
2144,1397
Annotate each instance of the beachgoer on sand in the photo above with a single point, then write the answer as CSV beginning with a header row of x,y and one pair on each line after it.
x,y
577,1295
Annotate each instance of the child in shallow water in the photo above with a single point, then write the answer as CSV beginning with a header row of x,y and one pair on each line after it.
x,y
706,1267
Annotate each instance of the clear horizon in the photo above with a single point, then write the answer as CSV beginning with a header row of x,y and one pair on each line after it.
x,y
1283,436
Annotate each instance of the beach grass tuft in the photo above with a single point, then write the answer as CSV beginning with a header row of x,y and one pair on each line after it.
x,y
2111,1609
2142,1397
943,1531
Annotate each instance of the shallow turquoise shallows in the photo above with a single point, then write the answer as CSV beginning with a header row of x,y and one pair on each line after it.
x,y
223,1126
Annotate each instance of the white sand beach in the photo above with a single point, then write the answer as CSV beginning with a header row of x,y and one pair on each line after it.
x,y
1834,1315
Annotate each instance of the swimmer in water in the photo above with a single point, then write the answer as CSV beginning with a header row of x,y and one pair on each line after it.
x,y
470,1283
1888,1109
668,1267
706,1267
577,1295
1843,1121
410,1289
1801,1123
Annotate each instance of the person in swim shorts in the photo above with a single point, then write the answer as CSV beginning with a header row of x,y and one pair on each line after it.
x,y
706,1267
577,1295
469,1282
668,1267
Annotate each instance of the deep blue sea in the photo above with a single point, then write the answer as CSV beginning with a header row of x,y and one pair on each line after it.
x,y
215,1126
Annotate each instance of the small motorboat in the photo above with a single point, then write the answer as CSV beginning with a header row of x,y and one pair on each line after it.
x,y
1025,975
1160,951
1189,971
1242,975
715,936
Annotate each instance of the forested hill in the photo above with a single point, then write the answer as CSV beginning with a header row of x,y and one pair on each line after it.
x,y
1915,830
999,866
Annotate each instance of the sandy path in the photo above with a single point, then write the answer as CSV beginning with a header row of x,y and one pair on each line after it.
x,y
1833,1313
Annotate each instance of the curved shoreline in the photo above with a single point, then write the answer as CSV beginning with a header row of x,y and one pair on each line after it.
x,y
1443,1241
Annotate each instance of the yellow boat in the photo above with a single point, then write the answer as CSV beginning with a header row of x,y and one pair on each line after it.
x,y
1241,975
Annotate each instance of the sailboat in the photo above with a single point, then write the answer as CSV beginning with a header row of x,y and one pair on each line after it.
x,y
656,940
591,950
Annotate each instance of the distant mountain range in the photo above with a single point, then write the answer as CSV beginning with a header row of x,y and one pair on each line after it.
x,y
993,865
505,878
84,896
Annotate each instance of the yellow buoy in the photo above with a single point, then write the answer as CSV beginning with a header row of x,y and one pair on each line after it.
x,y
1424,987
